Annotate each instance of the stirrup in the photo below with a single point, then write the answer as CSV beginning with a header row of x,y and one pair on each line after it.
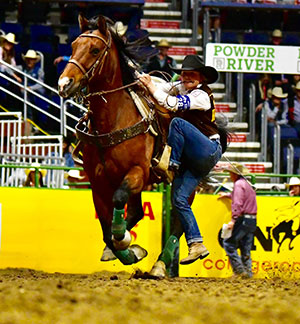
x,y
163,163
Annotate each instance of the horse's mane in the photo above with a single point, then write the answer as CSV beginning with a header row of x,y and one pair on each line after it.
x,y
137,52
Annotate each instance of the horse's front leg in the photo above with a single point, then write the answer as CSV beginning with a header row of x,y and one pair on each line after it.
x,y
132,184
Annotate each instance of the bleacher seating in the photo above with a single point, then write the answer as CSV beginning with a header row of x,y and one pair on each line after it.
x,y
229,37
41,33
256,38
15,28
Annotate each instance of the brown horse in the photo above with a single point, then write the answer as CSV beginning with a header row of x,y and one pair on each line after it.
x,y
118,146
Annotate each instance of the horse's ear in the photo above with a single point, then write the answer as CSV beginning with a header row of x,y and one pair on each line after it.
x,y
83,23
102,25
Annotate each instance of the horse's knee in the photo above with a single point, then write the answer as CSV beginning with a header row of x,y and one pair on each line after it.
x,y
121,196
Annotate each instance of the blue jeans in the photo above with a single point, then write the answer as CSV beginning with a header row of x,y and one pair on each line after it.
x,y
196,155
242,238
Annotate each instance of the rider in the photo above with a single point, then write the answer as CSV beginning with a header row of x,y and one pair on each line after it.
x,y
193,137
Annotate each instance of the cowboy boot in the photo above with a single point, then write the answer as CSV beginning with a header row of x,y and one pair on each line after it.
x,y
196,251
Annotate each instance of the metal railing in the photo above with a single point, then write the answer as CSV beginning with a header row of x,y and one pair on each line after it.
x,y
18,170
252,100
61,107
10,129
264,134
277,151
47,150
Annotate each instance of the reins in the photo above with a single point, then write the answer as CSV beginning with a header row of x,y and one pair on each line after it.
x,y
103,92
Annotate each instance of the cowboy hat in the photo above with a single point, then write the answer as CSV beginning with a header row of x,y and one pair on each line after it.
x,y
34,166
277,33
31,54
75,174
237,168
294,181
163,43
194,63
278,93
10,37
297,86
120,28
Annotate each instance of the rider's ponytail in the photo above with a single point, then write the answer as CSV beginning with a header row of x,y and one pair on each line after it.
x,y
225,136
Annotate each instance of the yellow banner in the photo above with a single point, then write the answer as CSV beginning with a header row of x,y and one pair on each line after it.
x,y
276,247
57,231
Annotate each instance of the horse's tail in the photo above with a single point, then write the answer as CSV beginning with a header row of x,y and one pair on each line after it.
x,y
225,135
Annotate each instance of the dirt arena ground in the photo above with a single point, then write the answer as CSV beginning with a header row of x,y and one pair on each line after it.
x,y
28,296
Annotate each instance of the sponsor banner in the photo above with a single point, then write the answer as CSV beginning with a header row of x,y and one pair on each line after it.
x,y
253,58
57,231
0,223
276,247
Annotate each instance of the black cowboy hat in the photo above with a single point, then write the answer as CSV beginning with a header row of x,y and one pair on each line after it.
x,y
194,63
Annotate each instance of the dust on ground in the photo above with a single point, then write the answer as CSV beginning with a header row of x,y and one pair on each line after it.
x,y
28,296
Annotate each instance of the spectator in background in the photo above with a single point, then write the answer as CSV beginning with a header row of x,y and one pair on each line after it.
x,y
59,59
277,112
276,37
242,223
263,88
67,152
76,176
294,187
279,80
32,68
291,90
7,54
30,173
121,30
162,62
295,111
276,107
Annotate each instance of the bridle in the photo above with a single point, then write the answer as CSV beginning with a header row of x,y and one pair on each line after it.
x,y
99,61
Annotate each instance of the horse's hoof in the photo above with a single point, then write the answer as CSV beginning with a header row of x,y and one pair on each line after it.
x,y
159,270
107,254
139,252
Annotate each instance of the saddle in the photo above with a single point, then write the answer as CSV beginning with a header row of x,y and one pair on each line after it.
x,y
162,117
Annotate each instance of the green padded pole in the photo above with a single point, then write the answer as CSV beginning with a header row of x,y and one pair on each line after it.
x,y
167,254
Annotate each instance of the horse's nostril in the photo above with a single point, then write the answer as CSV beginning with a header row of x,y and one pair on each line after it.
x,y
64,84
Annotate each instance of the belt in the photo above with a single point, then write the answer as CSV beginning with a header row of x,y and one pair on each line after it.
x,y
250,216
214,137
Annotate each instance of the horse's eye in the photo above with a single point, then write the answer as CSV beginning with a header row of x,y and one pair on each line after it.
x,y
95,51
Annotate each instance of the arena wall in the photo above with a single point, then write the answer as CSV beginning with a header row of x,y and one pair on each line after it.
x,y
57,231
276,247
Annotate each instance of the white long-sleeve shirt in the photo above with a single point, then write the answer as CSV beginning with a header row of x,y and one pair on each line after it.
x,y
174,96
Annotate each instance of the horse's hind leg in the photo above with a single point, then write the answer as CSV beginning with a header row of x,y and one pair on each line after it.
x,y
135,210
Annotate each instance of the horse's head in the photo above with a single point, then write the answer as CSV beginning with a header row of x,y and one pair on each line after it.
x,y
89,52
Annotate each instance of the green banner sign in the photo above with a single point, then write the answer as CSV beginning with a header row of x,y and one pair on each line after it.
x,y
253,58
